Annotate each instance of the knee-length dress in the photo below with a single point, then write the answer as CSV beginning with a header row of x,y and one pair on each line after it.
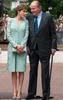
x,y
17,34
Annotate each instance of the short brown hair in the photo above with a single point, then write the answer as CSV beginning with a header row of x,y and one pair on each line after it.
x,y
19,8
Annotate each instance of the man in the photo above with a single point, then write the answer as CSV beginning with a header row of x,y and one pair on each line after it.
x,y
41,43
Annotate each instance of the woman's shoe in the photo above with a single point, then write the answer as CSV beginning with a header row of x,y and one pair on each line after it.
x,y
18,99
15,95
13,98
19,95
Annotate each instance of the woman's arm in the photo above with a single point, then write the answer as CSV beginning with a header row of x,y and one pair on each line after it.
x,y
9,36
24,42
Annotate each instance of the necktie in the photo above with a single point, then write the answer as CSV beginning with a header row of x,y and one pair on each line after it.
x,y
35,25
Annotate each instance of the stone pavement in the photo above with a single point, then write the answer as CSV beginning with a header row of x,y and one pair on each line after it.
x,y
56,83
56,79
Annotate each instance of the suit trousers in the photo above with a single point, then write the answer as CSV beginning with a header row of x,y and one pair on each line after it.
x,y
34,61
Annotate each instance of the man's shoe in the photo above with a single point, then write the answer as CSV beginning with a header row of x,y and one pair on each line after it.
x,y
29,97
45,98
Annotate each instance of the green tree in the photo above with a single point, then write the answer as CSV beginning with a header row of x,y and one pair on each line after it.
x,y
57,6
9,0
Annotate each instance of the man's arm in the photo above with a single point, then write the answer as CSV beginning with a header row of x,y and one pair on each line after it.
x,y
53,35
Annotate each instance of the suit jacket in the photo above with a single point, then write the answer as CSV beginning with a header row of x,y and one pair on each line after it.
x,y
46,38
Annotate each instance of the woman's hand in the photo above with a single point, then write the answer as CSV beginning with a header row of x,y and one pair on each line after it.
x,y
19,49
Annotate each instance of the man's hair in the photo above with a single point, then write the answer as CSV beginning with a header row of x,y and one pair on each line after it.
x,y
38,3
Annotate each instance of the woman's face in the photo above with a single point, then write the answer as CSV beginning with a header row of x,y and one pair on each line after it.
x,y
22,13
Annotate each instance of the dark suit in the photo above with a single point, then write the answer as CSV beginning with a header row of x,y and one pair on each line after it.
x,y
40,46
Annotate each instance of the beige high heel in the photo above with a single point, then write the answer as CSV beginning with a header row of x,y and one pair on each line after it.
x,y
19,95
15,95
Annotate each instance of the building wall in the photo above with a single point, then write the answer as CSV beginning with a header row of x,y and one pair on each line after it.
x,y
9,4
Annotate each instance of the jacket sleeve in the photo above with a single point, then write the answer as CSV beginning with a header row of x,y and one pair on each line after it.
x,y
53,33
24,42
9,35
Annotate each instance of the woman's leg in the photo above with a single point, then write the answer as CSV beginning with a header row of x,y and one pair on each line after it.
x,y
20,83
14,83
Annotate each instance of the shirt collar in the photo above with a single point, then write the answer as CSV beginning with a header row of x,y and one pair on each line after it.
x,y
40,14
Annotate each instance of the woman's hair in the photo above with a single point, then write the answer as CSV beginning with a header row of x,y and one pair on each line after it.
x,y
19,8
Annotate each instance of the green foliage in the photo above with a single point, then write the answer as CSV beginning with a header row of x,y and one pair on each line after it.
x,y
11,13
57,6
9,1
44,4
6,10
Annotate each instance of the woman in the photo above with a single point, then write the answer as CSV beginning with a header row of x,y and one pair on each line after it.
x,y
17,34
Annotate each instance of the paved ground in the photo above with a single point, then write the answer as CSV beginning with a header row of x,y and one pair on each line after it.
x,y
56,83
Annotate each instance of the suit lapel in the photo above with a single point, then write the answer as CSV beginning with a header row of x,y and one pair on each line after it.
x,y
40,26
41,22
32,25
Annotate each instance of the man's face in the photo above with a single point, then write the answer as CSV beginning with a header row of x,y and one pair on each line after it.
x,y
35,9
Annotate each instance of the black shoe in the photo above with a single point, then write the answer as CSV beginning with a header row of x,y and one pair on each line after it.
x,y
45,98
29,97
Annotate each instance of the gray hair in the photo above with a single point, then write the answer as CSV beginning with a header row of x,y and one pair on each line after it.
x,y
37,2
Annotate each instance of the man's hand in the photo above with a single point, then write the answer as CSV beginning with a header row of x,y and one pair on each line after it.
x,y
53,51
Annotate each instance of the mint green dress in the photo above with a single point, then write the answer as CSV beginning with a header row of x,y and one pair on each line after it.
x,y
17,34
